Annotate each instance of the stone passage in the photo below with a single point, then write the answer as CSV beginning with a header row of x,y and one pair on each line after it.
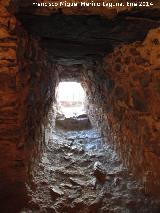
x,y
79,173
115,55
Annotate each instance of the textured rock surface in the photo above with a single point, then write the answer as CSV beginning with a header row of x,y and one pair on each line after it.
x,y
12,168
26,91
65,180
73,123
82,37
126,105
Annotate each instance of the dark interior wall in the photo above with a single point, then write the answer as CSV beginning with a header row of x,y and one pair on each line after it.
x,y
12,168
37,81
123,102
27,87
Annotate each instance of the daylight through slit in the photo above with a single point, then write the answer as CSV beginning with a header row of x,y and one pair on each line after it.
x,y
70,99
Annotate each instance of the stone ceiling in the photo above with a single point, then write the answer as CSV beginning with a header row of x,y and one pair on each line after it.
x,y
81,32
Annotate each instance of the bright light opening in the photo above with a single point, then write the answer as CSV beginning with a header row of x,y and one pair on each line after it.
x,y
70,99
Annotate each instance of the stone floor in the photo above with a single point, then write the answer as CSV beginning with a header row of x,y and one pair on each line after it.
x,y
79,174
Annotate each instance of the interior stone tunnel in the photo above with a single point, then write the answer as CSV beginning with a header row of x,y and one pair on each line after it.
x,y
115,54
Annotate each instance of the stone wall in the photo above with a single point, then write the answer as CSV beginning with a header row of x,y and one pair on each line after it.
x,y
69,72
27,84
124,98
36,81
12,170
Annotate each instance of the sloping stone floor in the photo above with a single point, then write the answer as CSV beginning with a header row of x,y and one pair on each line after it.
x,y
79,174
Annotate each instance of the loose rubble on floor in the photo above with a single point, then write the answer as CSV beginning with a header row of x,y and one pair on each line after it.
x,y
79,173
